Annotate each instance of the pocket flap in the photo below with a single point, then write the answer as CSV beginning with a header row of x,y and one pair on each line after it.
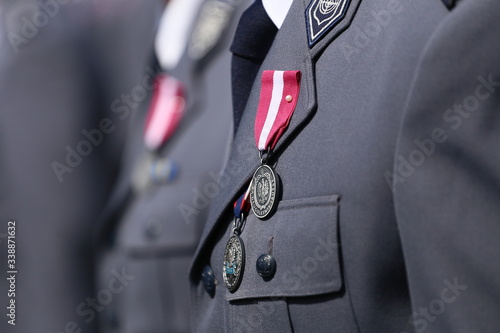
x,y
302,236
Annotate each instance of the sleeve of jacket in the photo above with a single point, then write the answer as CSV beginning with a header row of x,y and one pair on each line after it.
x,y
446,175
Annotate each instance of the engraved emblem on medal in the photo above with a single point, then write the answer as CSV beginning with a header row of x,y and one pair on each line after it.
x,y
234,254
264,191
234,262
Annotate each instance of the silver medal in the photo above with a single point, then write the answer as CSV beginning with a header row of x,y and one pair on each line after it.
x,y
264,191
234,261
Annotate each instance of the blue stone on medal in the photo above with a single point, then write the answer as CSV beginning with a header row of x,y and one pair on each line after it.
x,y
234,262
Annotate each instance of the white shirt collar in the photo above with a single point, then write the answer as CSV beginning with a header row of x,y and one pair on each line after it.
x,y
173,31
277,10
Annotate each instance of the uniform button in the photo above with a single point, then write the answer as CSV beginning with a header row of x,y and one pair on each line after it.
x,y
208,279
266,265
288,98
153,228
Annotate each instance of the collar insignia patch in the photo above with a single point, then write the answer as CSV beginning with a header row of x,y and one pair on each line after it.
x,y
322,16
214,18
449,3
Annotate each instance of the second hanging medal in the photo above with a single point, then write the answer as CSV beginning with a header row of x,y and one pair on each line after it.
x,y
234,254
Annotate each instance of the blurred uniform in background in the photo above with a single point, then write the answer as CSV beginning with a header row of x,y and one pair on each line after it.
x,y
176,147
62,65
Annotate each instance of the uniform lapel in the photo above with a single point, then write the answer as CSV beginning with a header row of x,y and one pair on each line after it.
x,y
244,158
295,54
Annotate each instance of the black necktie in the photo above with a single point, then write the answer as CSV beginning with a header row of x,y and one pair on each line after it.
x,y
253,39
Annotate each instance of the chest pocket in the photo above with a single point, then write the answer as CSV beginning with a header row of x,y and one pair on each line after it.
x,y
302,237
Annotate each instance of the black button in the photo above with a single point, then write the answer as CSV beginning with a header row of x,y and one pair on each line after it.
x,y
266,265
208,279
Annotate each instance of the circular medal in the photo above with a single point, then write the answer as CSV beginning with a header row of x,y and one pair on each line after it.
x,y
234,261
264,191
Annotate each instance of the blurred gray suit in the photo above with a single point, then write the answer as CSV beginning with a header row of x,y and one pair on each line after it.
x,y
153,233
55,86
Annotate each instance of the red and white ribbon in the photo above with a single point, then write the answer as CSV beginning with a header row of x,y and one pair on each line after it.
x,y
165,113
278,98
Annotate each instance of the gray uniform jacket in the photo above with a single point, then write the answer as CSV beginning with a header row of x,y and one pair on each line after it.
x,y
388,220
151,235
60,69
